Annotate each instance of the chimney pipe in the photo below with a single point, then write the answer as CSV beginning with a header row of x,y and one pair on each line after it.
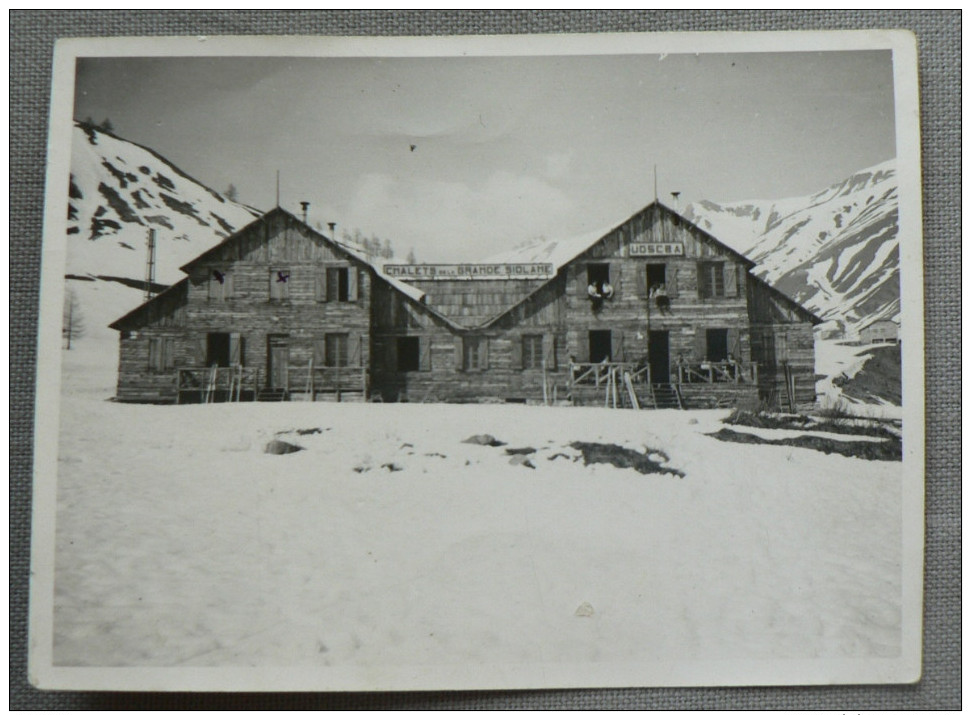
x,y
305,205
676,194
333,229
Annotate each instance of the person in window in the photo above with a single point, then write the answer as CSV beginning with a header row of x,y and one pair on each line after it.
x,y
594,292
607,290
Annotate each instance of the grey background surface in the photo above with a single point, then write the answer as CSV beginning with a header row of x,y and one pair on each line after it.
x,y
32,36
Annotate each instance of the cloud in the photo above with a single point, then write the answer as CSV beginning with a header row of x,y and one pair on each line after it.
x,y
453,221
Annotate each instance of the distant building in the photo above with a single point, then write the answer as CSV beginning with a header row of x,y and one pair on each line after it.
x,y
655,311
880,331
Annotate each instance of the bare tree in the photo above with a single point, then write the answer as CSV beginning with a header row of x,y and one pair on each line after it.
x,y
411,256
231,193
72,326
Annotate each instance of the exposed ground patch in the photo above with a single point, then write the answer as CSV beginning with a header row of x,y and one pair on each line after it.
x,y
889,450
653,461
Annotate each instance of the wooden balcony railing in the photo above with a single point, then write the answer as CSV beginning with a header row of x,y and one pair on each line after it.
x,y
718,372
314,379
216,384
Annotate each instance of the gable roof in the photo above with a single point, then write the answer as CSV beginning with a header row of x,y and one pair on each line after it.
x,y
798,307
125,321
563,251
353,252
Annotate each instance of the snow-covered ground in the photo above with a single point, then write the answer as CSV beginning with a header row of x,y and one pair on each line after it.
x,y
180,542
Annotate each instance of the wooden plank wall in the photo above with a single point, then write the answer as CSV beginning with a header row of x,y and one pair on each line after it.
x,y
631,314
276,244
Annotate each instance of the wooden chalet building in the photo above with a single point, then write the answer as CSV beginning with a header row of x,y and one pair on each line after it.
x,y
654,313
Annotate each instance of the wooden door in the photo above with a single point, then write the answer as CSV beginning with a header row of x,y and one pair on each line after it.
x,y
278,360
659,356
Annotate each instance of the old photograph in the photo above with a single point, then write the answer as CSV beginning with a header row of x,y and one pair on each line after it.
x,y
454,363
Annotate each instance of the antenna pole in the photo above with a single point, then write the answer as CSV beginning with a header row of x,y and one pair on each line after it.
x,y
655,182
150,266
278,188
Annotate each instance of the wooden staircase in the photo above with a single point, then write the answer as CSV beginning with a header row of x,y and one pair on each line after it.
x,y
666,397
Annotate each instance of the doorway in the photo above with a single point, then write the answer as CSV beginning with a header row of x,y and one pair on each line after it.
x,y
717,344
217,349
658,356
277,360
600,346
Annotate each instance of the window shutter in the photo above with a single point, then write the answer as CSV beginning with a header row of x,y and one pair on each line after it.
x,y
352,283
459,342
583,347
320,286
320,353
734,347
483,353
517,359
616,346
235,349
228,285
153,353
424,353
701,345
581,281
671,276
641,280
168,349
549,345
731,280
201,350
353,350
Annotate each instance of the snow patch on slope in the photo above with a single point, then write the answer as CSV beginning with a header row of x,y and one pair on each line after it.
x,y
119,190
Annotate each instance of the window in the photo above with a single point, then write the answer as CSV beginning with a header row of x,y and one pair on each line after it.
x,y
655,277
218,349
337,284
279,283
409,354
532,352
598,277
161,354
335,350
220,284
711,279
475,353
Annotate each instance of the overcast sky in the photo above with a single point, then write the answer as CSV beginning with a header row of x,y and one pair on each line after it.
x,y
505,149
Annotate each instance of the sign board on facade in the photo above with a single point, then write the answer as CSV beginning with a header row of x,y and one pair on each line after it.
x,y
468,271
655,249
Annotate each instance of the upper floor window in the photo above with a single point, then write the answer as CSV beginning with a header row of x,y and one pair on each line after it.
x,y
711,279
598,281
220,284
279,283
337,284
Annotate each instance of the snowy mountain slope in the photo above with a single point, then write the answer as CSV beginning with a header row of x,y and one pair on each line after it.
x,y
836,251
120,190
